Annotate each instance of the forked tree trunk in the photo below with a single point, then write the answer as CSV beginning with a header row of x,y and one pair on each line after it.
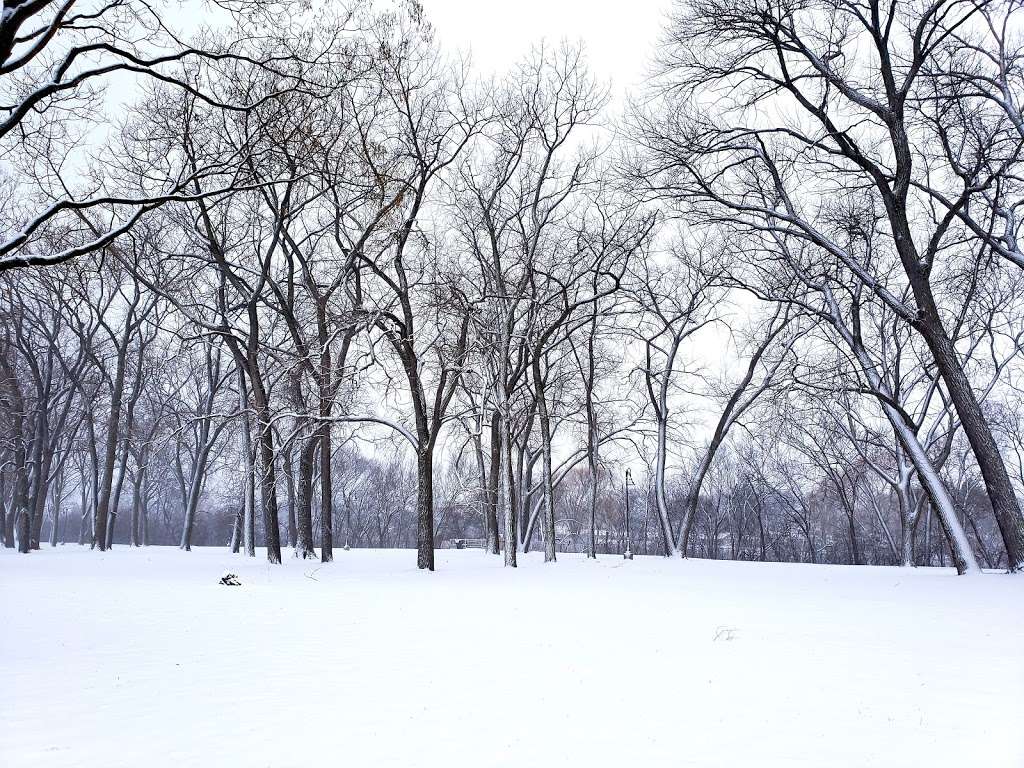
x,y
910,513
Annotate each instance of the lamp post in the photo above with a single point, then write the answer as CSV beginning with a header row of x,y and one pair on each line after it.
x,y
628,554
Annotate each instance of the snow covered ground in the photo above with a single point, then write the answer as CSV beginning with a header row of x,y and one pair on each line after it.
x,y
139,658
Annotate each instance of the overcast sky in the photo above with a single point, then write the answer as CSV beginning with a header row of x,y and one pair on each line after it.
x,y
619,37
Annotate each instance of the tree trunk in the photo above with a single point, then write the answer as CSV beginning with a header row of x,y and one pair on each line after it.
x,y
855,556
106,484
266,475
24,525
661,450
236,529
493,542
548,488
947,362
44,457
979,435
425,505
56,525
963,556
910,512
144,511
136,532
110,529
249,506
303,516
289,482
83,507
326,496
505,500
6,516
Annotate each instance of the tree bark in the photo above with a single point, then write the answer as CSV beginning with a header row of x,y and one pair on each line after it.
x,y
505,500
493,539
303,516
326,496
266,476
546,469
425,506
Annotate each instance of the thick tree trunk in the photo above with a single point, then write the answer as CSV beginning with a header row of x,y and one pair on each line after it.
x,y
304,509
44,458
24,525
265,473
661,451
425,505
907,546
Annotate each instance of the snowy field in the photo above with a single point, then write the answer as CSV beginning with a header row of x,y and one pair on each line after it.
x,y
139,658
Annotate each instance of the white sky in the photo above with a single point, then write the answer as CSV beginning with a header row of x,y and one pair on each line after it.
x,y
619,38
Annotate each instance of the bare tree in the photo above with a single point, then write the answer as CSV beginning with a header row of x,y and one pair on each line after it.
x,y
773,56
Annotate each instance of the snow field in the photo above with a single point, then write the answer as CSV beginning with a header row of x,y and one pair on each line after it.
x,y
139,657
